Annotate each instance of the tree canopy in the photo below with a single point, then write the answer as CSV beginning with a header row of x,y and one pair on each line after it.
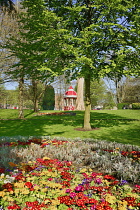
x,y
91,39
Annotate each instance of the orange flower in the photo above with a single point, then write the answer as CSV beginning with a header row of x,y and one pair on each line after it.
x,y
12,164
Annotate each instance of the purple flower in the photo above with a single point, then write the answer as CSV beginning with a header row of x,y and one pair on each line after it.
x,y
72,194
123,182
98,181
68,190
79,188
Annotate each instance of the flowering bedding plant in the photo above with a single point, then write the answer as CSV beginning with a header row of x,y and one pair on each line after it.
x,y
50,183
55,113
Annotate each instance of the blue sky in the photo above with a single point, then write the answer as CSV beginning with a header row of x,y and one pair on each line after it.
x,y
11,85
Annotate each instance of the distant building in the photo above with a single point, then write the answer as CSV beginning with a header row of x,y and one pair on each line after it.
x,y
70,99
66,101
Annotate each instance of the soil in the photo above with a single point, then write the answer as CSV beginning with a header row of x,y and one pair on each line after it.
x,y
83,129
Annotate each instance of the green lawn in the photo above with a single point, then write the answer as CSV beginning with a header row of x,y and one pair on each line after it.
x,y
113,125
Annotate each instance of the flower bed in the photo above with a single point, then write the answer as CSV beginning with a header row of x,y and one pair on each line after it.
x,y
53,184
59,183
56,113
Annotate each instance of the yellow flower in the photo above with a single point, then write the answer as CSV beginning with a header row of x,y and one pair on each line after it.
x,y
122,205
55,202
2,193
46,158
83,170
30,162
44,190
132,195
16,191
53,174
19,184
42,196
8,198
2,176
111,199
25,191
43,182
52,208
36,187
30,178
106,182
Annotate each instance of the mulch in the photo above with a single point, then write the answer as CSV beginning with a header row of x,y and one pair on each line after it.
x,y
83,129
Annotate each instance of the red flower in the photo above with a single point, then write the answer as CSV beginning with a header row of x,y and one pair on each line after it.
x,y
8,186
29,184
13,207
109,177
92,200
130,200
2,170
20,177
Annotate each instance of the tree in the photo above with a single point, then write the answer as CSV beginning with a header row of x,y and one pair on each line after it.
x,y
10,27
102,35
48,101
7,5
33,93
80,94
37,45
2,95
90,42
98,93
130,90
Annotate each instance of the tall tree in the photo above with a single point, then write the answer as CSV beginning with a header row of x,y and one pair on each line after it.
x,y
102,35
130,90
48,101
38,43
98,93
80,94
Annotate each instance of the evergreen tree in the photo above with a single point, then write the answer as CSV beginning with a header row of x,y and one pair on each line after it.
x,y
49,98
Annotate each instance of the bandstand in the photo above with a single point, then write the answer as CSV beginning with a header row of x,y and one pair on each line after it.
x,y
70,99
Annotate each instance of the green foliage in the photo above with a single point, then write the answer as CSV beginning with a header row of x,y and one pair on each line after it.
x,y
135,105
109,101
38,43
48,101
122,105
100,96
97,90
102,37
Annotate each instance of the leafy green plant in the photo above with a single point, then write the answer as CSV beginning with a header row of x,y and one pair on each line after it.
x,y
122,105
135,105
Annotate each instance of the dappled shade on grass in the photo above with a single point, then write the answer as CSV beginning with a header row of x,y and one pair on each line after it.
x,y
113,125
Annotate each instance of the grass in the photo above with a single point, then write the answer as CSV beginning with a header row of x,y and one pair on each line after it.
x,y
122,126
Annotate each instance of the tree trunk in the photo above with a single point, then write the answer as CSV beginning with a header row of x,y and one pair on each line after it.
x,y
21,83
87,103
35,100
80,94
117,91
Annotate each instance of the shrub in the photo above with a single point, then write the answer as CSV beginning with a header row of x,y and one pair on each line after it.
x,y
135,105
122,105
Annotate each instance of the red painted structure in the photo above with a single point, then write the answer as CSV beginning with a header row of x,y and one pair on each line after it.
x,y
70,99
